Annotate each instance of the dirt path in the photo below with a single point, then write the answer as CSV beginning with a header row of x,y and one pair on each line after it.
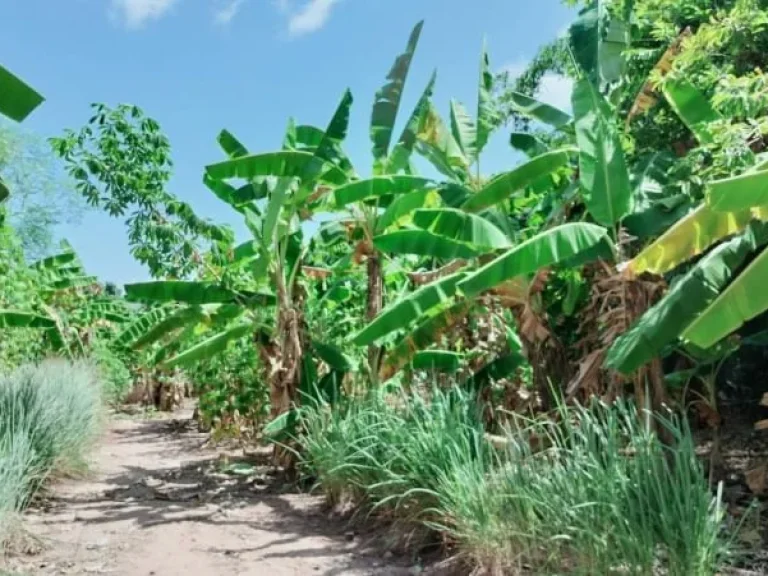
x,y
160,504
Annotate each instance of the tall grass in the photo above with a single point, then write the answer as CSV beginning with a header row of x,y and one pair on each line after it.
x,y
591,492
50,415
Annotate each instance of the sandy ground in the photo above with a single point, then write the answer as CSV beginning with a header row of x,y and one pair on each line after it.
x,y
159,503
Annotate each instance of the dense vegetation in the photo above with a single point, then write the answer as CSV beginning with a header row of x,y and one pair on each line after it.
x,y
420,338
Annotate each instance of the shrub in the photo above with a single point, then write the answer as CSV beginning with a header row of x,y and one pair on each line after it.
x,y
49,417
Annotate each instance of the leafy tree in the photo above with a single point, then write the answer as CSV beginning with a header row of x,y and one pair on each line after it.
x,y
121,162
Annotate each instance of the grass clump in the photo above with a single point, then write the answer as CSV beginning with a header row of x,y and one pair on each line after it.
x,y
593,491
50,415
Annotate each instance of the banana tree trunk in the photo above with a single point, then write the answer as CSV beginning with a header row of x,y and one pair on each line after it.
x,y
374,304
282,360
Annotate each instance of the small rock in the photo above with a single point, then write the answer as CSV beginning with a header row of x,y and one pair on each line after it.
x,y
350,535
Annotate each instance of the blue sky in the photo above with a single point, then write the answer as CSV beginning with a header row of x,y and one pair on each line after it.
x,y
198,66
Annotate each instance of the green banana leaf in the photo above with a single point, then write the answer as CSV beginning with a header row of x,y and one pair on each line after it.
x,y
462,226
692,236
424,243
487,115
545,249
527,143
692,107
539,111
193,293
289,164
71,282
745,298
231,145
55,261
404,204
330,165
17,99
597,41
504,185
602,167
440,148
464,130
20,319
401,154
387,101
437,360
494,371
661,325
379,186
209,347
423,335
142,324
333,356
739,192
168,325
4,194
409,309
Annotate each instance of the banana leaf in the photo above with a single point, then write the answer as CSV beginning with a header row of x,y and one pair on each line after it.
x,y
539,111
739,192
387,101
545,249
602,167
424,243
401,314
20,319
487,115
437,360
379,186
209,347
289,164
699,288
463,130
462,226
503,186
401,154
692,107
692,236
231,145
745,298
17,99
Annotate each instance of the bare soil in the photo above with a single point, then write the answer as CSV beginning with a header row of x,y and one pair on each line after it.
x,y
160,503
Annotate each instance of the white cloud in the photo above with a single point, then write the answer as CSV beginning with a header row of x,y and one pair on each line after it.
x,y
554,89
312,16
136,13
227,12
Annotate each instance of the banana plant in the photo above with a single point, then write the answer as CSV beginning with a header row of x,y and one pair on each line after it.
x,y
68,304
393,191
258,291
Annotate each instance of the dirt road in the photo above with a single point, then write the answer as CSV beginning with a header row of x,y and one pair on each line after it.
x,y
158,503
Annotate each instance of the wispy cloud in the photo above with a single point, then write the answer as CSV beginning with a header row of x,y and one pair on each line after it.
x,y
136,13
308,18
554,89
224,15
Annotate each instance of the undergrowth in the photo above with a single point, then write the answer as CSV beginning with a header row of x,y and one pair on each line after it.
x,y
50,415
593,491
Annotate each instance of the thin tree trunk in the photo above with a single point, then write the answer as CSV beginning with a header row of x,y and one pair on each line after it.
x,y
374,304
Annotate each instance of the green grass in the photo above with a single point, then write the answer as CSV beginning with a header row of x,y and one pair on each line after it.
x,y
50,414
602,495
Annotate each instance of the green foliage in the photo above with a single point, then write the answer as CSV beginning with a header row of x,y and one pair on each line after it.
x,y
592,493
50,415
121,163
584,504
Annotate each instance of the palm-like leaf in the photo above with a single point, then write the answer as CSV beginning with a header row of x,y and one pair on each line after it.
x,y
17,99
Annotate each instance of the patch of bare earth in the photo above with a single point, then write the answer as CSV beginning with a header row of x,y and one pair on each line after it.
x,y
160,503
